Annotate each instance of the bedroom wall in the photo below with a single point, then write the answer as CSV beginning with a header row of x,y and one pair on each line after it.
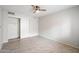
x,y
0,23
3,28
0,26
29,25
4,25
62,26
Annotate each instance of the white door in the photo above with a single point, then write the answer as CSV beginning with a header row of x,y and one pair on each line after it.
x,y
13,28
0,35
0,25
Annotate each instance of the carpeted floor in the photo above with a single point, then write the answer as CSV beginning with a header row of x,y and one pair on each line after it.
x,y
36,45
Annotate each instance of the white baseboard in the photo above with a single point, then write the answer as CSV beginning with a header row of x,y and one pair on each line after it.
x,y
60,41
31,35
1,43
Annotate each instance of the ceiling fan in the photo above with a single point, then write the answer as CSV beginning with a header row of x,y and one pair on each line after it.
x,y
37,8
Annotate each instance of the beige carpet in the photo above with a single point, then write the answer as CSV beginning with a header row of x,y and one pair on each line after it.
x,y
36,45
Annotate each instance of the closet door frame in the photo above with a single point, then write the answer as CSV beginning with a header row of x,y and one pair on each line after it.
x,y
18,27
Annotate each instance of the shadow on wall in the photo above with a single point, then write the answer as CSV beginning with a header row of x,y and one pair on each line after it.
x,y
61,30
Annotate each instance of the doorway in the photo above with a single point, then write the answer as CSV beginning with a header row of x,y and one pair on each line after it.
x,y
13,28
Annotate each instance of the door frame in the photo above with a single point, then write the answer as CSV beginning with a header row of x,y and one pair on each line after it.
x,y
19,27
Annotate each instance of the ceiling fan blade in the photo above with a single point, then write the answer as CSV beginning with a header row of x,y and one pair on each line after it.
x,y
42,9
36,8
34,11
33,7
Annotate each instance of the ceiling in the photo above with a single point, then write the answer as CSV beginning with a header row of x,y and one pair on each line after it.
x,y
27,9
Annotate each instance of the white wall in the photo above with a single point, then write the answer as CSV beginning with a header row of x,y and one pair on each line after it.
x,y
29,25
24,27
0,27
4,25
3,28
0,24
24,24
75,27
33,26
61,26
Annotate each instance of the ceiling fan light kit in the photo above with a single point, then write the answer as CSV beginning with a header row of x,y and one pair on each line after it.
x,y
37,11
